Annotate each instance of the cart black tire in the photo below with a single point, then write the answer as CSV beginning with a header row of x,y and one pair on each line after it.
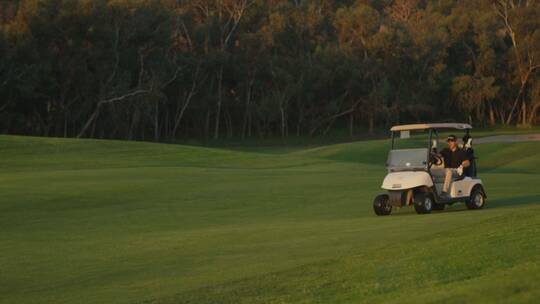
x,y
438,207
477,200
423,202
381,205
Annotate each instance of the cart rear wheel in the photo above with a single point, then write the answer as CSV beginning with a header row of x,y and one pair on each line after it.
x,y
477,199
381,205
423,203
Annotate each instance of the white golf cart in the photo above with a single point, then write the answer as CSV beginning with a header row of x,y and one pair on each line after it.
x,y
416,171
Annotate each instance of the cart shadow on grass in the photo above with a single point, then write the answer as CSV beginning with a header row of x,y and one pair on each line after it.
x,y
514,201
518,201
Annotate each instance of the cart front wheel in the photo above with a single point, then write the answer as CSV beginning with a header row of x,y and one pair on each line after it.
x,y
381,205
423,203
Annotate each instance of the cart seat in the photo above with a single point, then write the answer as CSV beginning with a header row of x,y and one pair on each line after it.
x,y
438,175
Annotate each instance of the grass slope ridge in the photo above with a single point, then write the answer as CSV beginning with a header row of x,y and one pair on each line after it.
x,y
92,221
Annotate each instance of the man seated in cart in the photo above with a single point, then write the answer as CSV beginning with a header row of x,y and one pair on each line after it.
x,y
455,161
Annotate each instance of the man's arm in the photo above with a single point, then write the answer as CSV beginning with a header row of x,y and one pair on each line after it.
x,y
464,163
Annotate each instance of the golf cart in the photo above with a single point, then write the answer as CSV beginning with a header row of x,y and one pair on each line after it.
x,y
416,171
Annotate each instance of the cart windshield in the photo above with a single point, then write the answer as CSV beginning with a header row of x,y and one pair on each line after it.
x,y
414,139
407,159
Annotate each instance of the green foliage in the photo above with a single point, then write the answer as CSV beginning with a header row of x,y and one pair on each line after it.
x,y
164,70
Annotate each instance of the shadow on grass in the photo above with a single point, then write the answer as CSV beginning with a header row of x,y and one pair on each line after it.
x,y
513,201
501,203
499,170
495,203
410,212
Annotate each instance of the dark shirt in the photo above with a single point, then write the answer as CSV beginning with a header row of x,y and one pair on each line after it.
x,y
453,159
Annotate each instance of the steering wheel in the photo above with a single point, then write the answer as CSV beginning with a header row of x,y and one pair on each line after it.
x,y
435,159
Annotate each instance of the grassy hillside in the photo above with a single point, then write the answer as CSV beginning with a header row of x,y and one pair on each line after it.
x,y
84,221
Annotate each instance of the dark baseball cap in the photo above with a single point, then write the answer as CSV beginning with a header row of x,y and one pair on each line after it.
x,y
451,137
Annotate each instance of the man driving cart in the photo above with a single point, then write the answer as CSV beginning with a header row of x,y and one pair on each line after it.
x,y
456,161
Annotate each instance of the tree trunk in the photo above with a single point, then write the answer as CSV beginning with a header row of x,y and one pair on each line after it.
x,y
207,125
180,114
94,123
282,112
65,125
250,125
523,114
218,112
351,125
166,121
95,114
491,115
299,122
246,113
500,112
532,113
524,80
133,125
156,122
229,123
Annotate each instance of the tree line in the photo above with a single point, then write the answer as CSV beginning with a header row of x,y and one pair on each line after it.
x,y
210,69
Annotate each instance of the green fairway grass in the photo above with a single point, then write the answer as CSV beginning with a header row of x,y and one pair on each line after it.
x,y
88,221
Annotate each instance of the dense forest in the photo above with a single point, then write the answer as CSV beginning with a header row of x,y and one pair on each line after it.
x,y
211,69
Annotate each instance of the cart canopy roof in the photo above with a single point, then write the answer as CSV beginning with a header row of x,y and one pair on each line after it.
x,y
459,126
